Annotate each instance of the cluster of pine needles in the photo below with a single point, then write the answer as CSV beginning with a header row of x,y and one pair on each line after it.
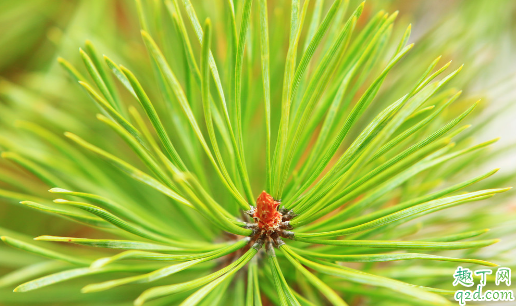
x,y
307,101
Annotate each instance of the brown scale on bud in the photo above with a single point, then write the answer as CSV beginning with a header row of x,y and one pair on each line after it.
x,y
271,223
